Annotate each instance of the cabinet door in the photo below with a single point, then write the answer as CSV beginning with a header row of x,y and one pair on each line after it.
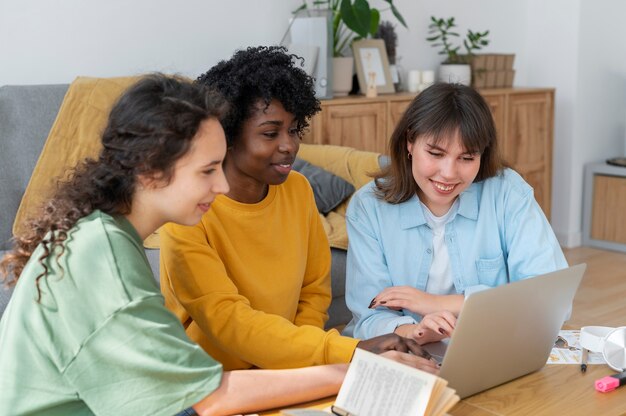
x,y
361,126
608,221
497,105
396,110
527,144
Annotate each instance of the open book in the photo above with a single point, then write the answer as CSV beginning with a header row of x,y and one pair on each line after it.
x,y
375,385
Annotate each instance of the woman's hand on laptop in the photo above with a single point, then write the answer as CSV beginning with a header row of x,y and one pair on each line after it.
x,y
416,301
432,328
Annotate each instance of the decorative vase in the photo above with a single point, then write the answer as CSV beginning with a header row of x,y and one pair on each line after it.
x,y
342,75
453,73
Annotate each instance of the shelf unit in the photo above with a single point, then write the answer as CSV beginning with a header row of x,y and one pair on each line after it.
x,y
523,118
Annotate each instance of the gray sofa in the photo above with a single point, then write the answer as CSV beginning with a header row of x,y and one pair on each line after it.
x,y
26,116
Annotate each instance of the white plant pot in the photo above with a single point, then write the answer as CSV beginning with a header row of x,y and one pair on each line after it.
x,y
458,74
342,75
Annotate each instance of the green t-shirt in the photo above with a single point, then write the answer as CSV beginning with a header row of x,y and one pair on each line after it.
x,y
100,341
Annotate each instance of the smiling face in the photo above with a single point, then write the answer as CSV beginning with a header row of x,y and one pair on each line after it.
x,y
197,178
442,171
263,154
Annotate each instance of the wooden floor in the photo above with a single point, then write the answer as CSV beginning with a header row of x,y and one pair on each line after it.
x,y
593,304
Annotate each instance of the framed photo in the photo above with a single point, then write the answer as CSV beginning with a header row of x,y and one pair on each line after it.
x,y
372,65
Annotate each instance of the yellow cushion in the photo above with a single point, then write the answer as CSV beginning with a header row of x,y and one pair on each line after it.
x,y
75,135
350,164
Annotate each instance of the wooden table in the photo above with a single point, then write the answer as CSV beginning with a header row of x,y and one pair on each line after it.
x,y
563,389
554,390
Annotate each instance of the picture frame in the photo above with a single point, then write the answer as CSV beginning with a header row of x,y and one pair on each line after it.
x,y
370,57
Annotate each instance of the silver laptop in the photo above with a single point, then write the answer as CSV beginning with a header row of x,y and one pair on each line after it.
x,y
506,332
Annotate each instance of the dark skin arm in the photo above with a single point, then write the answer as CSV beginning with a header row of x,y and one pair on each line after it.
x,y
393,342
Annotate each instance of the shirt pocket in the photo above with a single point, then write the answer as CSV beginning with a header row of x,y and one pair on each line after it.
x,y
492,271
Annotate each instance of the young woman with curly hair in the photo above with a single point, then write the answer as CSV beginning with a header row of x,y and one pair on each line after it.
x,y
86,331
251,281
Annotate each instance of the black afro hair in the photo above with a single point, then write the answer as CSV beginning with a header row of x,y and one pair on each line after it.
x,y
262,73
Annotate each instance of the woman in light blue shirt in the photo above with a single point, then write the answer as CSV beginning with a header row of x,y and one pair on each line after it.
x,y
446,218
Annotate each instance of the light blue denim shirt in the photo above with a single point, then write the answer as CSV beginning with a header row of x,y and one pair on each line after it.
x,y
498,235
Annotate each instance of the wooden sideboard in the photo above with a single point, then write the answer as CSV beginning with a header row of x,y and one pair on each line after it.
x,y
523,118
357,121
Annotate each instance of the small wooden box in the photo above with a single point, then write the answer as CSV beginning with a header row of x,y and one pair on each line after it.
x,y
492,70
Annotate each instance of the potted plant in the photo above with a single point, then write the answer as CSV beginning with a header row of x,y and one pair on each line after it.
x,y
352,20
456,66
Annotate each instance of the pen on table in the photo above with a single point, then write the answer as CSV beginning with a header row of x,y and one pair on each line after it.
x,y
583,360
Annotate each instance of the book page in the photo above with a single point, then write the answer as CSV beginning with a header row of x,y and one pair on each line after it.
x,y
375,385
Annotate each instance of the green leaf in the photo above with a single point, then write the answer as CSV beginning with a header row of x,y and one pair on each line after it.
x,y
357,16
303,6
396,13
363,14
374,20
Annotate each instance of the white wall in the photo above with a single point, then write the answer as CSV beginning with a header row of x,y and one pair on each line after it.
x,y
600,107
505,21
575,46
551,49
53,41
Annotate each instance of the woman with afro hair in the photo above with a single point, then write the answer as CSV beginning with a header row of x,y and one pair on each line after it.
x,y
251,281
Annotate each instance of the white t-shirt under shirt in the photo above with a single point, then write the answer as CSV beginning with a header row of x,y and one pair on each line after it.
x,y
440,280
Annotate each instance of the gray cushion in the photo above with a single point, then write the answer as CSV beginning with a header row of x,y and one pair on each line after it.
x,y
153,259
338,312
26,115
5,291
5,295
329,190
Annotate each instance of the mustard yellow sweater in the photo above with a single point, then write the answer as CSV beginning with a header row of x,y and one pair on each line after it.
x,y
251,282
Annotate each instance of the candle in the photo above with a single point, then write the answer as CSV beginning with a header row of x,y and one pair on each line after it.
x,y
414,80
428,77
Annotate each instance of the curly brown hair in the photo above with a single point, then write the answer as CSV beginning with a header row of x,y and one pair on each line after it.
x,y
149,128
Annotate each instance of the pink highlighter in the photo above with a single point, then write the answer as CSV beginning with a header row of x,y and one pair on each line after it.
x,y
610,383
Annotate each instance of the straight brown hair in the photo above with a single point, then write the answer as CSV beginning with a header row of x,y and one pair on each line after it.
x,y
437,113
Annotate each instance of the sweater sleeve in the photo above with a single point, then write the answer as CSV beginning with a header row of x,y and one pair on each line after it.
x,y
315,296
199,280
